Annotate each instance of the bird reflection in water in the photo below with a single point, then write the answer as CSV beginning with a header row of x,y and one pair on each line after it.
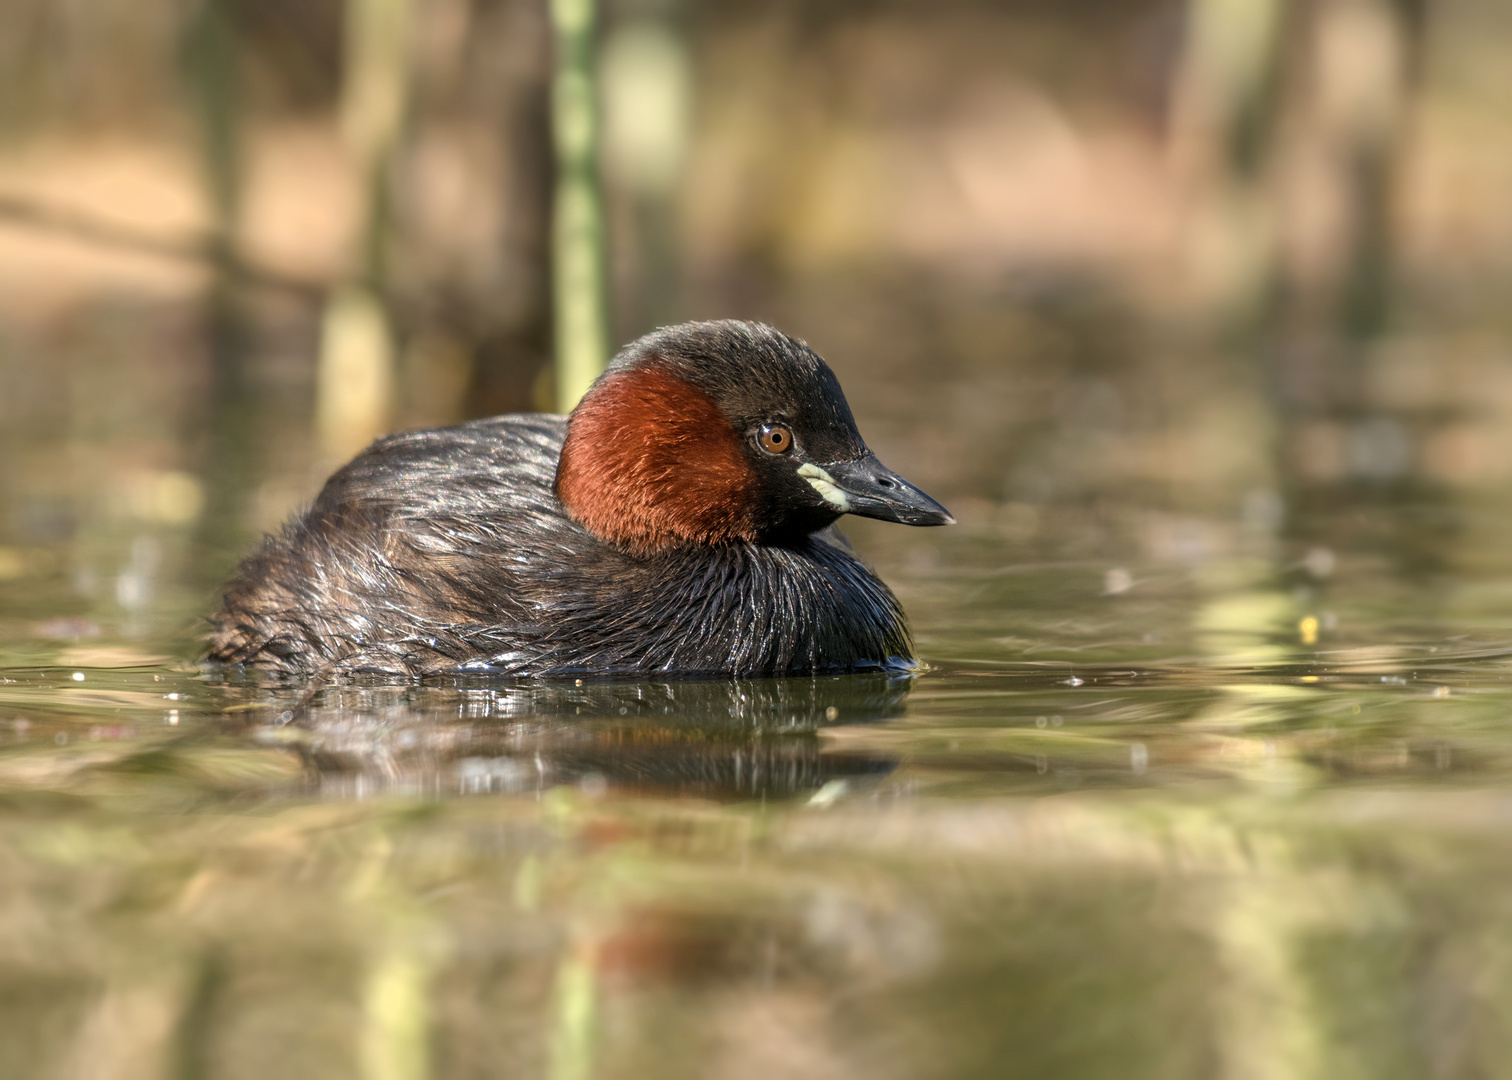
x,y
723,739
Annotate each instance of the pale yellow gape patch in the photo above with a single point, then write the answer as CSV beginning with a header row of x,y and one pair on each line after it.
x,y
825,485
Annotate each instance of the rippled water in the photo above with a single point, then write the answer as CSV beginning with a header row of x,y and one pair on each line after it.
x,y
1243,813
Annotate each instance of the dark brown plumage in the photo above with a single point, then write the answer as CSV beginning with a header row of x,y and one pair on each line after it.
x,y
685,532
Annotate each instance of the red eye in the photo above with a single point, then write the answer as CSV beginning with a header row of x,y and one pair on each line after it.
x,y
775,439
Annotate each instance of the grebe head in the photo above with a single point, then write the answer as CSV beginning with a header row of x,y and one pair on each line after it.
x,y
710,432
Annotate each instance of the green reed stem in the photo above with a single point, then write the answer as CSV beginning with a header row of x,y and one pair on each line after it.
x,y
579,278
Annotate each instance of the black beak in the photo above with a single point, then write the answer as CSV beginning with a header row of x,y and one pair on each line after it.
x,y
871,489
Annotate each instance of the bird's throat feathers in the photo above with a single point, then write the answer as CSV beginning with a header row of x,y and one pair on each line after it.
x,y
650,462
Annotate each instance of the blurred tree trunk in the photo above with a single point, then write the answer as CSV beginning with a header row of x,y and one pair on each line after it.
x,y
355,377
1288,122
579,270
476,291
211,59
1332,288
512,321
647,93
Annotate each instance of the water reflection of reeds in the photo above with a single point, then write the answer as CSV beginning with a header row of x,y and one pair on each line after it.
x,y
489,935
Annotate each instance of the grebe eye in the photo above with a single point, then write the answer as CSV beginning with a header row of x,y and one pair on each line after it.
x,y
775,439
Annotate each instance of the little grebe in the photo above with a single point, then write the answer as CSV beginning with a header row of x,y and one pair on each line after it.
x,y
676,522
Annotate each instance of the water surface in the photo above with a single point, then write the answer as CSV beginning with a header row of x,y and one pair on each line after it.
x,y
1242,814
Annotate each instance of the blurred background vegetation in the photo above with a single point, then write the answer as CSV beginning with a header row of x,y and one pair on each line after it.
x,y
1180,268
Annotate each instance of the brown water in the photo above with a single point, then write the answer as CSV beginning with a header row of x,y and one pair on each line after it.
x,y
1184,792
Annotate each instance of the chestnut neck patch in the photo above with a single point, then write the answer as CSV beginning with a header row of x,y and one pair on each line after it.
x,y
651,462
